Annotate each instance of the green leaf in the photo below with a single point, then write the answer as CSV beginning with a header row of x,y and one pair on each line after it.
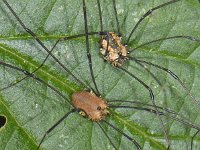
x,y
31,108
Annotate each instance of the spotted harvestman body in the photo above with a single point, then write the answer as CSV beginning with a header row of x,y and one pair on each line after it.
x,y
88,49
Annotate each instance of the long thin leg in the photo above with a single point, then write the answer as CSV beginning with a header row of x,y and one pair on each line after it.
x,y
150,108
162,111
124,134
56,124
155,78
100,15
167,38
87,47
13,84
41,65
166,110
152,100
39,41
137,108
138,103
38,79
79,35
191,145
107,136
172,74
115,9
147,14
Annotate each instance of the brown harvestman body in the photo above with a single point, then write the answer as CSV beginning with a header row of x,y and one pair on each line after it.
x,y
107,51
96,109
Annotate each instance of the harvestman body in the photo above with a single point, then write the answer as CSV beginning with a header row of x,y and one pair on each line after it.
x,y
90,105
113,50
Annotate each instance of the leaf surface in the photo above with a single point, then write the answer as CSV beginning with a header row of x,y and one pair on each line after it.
x,y
32,108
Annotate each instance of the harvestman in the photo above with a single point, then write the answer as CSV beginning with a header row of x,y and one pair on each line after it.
x,y
116,53
87,44
96,109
